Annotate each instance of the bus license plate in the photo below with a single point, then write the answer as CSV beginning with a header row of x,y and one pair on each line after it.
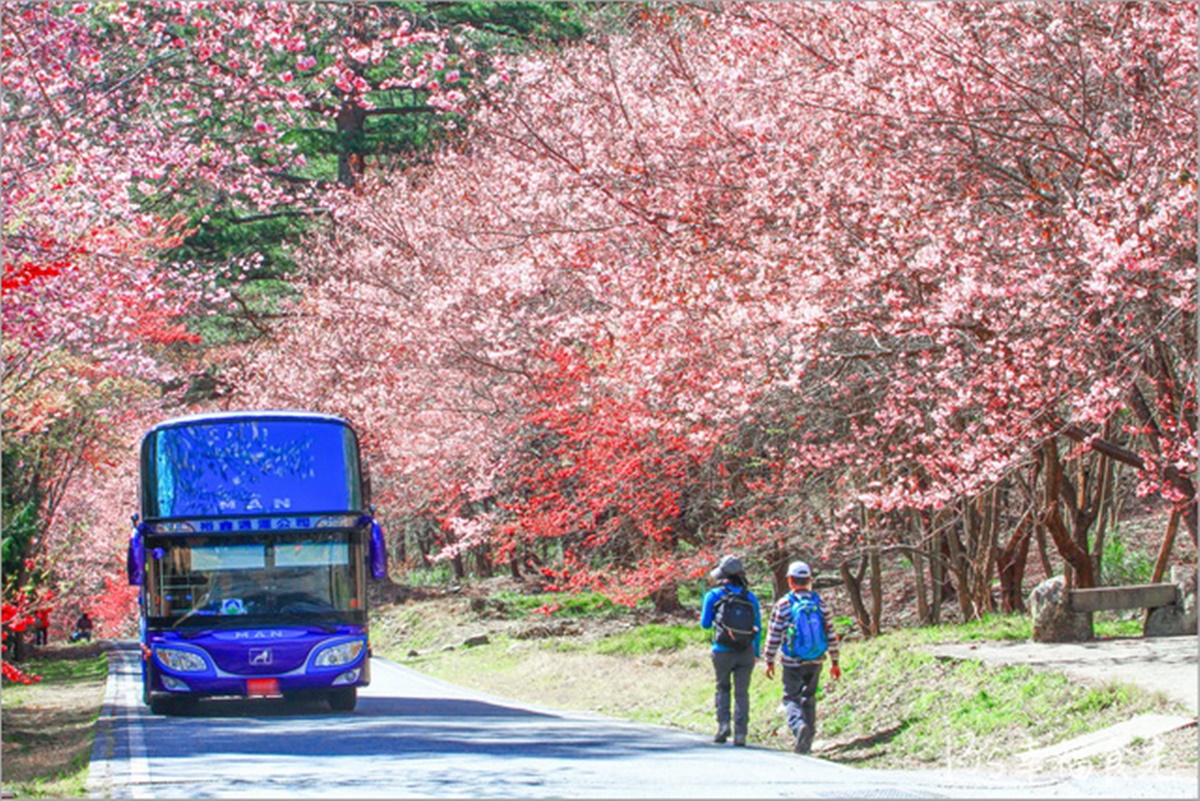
x,y
262,687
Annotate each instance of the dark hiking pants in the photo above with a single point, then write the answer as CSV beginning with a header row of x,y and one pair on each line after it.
x,y
800,695
733,668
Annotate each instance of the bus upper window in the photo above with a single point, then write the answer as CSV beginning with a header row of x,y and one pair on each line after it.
x,y
229,556
301,554
253,467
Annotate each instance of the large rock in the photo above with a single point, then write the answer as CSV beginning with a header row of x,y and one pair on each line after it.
x,y
1053,620
1180,617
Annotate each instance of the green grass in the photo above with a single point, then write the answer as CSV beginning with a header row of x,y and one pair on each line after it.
x,y
938,710
1117,624
989,628
437,575
581,605
47,743
59,672
1125,564
653,638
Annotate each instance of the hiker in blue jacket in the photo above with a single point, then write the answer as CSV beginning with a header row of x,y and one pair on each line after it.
x,y
732,611
801,671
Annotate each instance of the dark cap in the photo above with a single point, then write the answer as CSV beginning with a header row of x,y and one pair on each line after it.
x,y
730,566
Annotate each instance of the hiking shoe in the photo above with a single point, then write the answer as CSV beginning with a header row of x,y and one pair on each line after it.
x,y
739,741
722,735
804,738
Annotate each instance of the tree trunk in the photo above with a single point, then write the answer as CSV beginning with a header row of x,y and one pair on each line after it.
x,y
854,590
876,591
1078,560
1012,561
980,521
666,599
777,563
400,547
1105,505
1039,533
960,568
937,578
1164,551
1164,555
350,119
918,563
483,562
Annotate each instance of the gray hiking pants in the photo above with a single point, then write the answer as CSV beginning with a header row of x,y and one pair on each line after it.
x,y
733,667
800,695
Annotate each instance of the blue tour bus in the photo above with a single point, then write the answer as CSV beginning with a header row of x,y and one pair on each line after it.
x,y
253,550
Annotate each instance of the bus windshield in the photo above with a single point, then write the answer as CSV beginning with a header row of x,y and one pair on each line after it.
x,y
253,466
217,580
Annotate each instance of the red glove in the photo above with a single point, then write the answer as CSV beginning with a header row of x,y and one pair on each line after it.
x,y
835,672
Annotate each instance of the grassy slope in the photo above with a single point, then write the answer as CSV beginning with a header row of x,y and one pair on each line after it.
x,y
895,707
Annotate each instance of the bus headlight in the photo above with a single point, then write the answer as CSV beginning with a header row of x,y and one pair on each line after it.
x,y
341,654
180,660
349,677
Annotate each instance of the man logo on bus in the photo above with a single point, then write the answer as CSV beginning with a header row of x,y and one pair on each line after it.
x,y
260,656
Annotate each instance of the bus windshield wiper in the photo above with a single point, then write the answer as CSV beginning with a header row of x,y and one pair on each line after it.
x,y
177,623
291,617
209,623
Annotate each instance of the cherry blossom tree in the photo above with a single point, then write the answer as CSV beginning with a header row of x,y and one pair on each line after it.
x,y
243,119
819,276
920,240
129,126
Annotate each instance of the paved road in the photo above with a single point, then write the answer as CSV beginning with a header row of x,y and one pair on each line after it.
x,y
416,737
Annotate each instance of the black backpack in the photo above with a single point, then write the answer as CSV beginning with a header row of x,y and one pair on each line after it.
x,y
733,621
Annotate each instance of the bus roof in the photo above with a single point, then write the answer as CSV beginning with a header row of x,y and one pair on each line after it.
x,y
248,414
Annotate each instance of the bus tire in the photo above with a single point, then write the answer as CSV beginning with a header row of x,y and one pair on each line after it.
x,y
147,678
343,699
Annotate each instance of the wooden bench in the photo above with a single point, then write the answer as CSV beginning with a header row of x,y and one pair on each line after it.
x,y
1132,596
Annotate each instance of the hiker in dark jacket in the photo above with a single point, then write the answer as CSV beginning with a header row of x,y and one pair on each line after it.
x,y
83,629
734,660
800,676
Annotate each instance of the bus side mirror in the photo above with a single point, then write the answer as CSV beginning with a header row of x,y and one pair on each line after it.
x,y
378,552
135,559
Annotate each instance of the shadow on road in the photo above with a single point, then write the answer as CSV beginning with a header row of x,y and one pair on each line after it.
x,y
390,727
408,708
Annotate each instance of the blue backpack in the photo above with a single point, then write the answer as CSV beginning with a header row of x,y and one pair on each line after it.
x,y
806,639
